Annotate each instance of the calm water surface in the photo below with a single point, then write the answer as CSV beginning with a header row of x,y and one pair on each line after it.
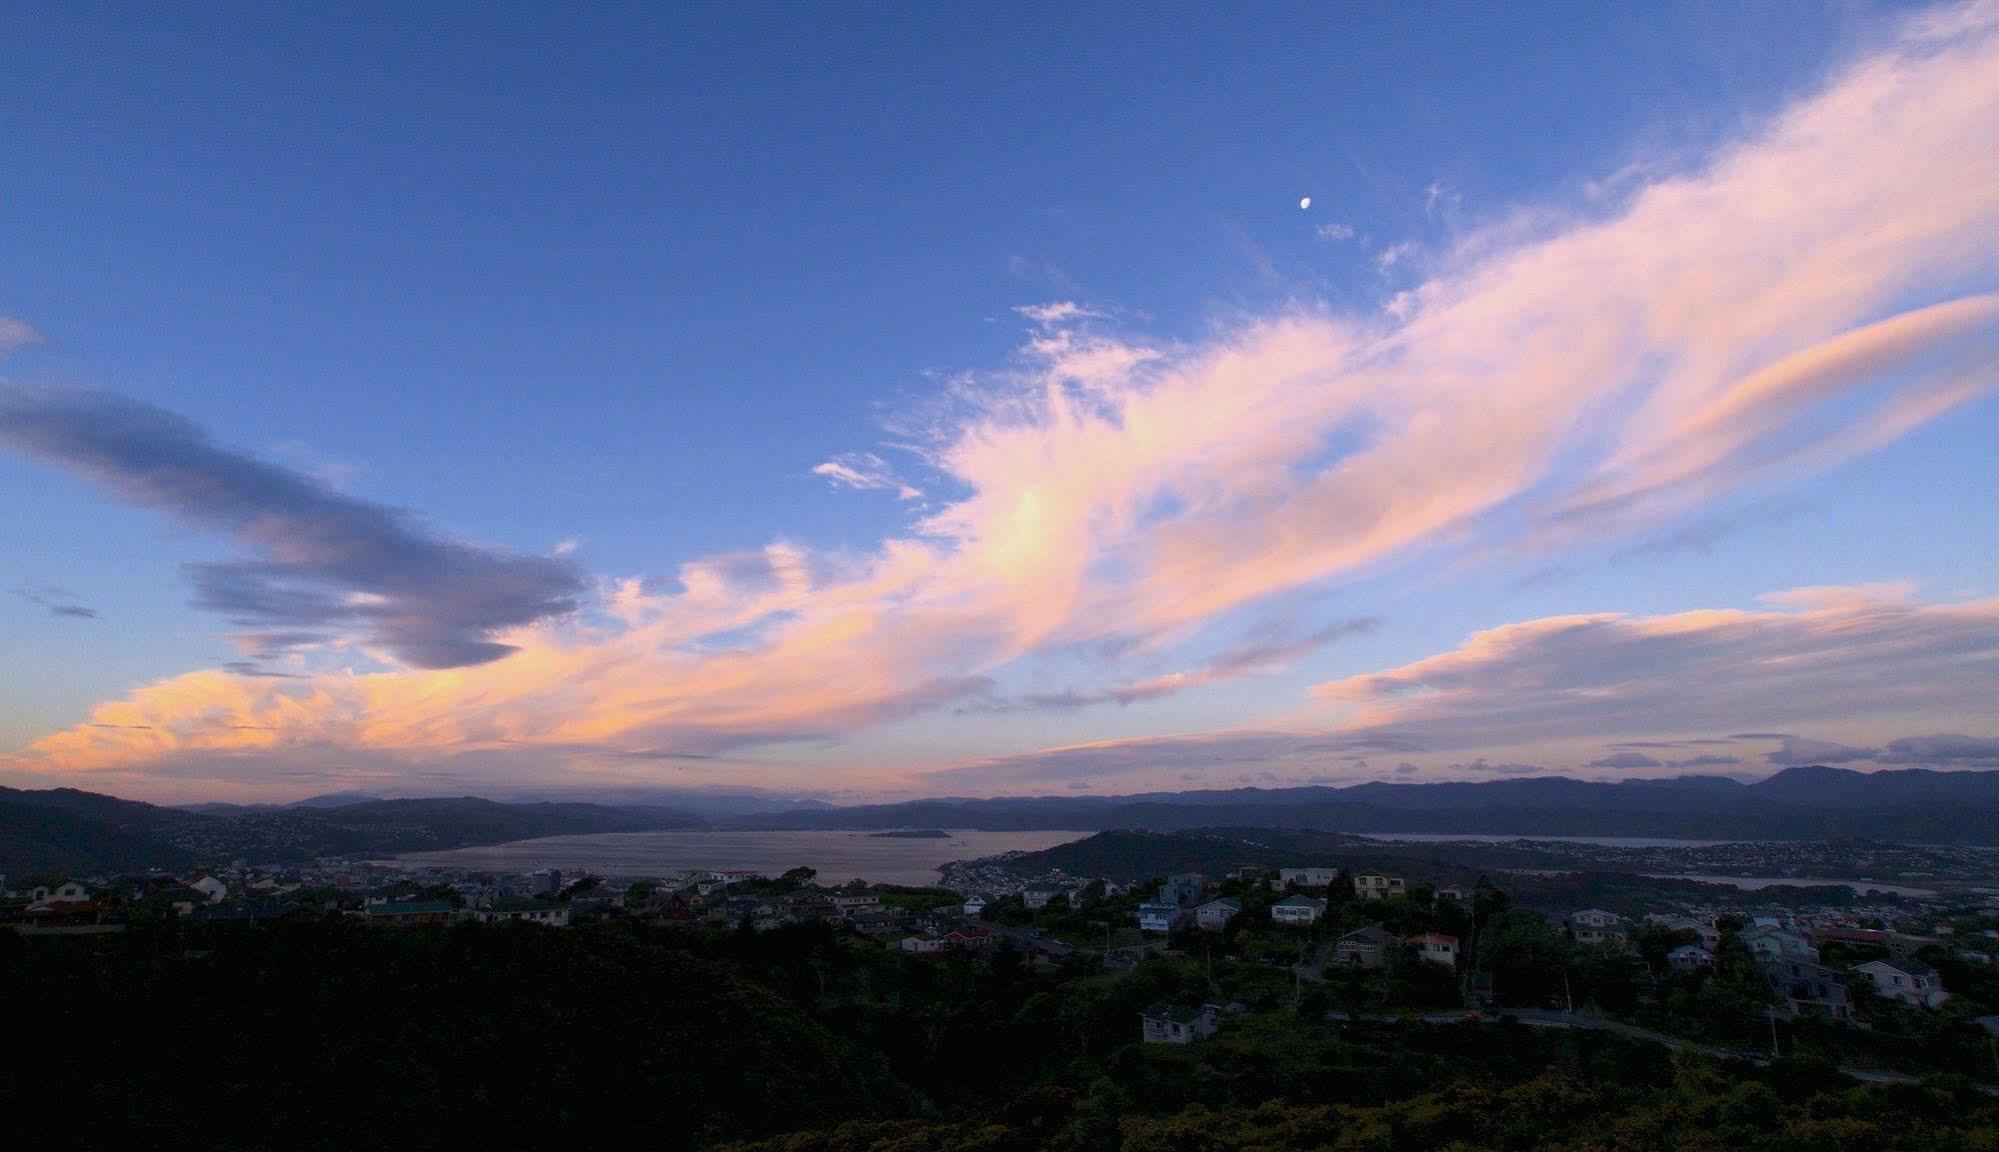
x,y
1493,838
838,856
1752,883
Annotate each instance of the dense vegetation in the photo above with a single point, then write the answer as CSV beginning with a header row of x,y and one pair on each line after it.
x,y
810,1039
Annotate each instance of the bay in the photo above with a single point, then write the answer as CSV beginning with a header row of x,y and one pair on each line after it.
x,y
838,856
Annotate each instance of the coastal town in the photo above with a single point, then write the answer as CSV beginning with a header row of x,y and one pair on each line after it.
x,y
1348,941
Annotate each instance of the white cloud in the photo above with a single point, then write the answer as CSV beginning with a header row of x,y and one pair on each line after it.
x,y
865,471
1388,258
14,335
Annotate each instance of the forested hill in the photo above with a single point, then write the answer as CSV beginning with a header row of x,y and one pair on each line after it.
x,y
1806,803
66,830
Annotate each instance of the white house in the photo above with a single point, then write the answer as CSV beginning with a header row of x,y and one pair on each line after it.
x,y
1436,948
1305,878
1156,917
925,944
852,904
69,892
1216,914
1164,1024
1298,910
1909,981
1375,886
1771,944
975,905
1451,896
1034,898
210,887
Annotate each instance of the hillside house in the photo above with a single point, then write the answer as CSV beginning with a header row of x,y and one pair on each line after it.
x,y
1167,1024
1909,981
1298,911
876,924
975,906
1375,886
1807,988
1034,899
1305,878
1436,947
1216,914
524,911
1184,890
972,938
1690,958
1596,926
1706,935
402,912
1158,917
1776,945
1364,947
852,904
807,905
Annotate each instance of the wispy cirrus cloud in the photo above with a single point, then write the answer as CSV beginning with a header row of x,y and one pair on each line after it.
x,y
1804,750
326,560
1542,685
1269,649
15,334
1868,657
1944,750
57,601
865,472
1811,291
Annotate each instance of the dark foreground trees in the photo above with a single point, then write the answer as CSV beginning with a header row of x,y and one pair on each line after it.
x,y
808,1039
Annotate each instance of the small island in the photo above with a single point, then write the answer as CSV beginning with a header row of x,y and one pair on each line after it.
x,y
912,834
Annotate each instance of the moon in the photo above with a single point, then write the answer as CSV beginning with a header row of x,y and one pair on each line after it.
x,y
1306,202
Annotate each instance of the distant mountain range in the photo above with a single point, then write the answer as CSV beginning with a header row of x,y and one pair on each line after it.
x,y
61,830
65,830
1805,803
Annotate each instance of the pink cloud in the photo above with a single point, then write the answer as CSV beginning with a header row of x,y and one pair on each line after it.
x,y
1551,691
1596,373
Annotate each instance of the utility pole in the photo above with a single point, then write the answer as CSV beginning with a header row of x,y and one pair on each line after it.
x,y
1772,1014
1568,998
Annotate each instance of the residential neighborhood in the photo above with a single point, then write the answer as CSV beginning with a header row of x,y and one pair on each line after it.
x,y
1372,940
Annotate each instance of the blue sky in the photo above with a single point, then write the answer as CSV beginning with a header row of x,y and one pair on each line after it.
x,y
592,294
